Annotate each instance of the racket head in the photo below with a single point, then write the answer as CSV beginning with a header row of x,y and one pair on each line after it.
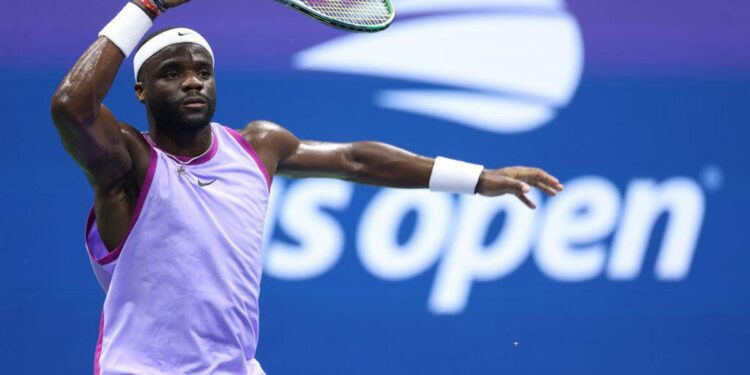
x,y
350,15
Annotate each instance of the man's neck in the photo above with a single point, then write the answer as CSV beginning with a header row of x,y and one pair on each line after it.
x,y
183,142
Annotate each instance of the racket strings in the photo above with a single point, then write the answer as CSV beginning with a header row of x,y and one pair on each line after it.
x,y
356,12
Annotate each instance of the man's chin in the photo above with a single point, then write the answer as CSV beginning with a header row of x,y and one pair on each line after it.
x,y
184,118
195,120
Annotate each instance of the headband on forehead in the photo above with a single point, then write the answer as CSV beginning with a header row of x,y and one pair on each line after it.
x,y
166,39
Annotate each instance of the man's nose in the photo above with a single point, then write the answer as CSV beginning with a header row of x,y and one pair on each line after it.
x,y
192,82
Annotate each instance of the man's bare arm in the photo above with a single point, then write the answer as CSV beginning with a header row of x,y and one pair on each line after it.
x,y
113,155
92,135
89,131
380,164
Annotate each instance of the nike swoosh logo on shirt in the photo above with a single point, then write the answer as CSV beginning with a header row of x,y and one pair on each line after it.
x,y
180,33
204,184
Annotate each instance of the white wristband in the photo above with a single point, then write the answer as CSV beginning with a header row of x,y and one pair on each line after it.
x,y
127,28
454,176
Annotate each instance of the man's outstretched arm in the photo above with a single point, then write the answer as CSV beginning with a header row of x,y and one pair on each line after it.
x,y
380,164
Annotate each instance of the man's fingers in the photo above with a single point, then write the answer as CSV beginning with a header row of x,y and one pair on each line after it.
x,y
519,180
518,186
526,201
547,179
538,175
521,189
546,189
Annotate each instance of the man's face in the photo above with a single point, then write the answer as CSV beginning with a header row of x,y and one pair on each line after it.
x,y
179,87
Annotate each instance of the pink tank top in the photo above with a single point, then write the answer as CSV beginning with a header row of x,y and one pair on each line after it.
x,y
182,289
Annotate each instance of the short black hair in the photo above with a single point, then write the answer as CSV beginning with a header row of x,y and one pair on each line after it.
x,y
144,41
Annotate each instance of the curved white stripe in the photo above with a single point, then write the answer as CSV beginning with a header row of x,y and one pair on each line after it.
x,y
479,111
405,7
526,54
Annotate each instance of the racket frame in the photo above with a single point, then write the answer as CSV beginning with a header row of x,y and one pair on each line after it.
x,y
302,8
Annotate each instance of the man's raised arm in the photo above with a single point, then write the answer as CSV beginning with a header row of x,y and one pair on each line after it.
x,y
89,131
376,163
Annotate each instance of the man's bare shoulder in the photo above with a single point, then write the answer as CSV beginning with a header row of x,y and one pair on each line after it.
x,y
137,146
133,138
269,136
271,141
263,129
129,132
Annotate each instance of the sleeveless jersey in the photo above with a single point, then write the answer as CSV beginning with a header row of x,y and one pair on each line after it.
x,y
182,288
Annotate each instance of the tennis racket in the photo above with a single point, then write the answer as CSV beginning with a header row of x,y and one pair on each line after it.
x,y
350,15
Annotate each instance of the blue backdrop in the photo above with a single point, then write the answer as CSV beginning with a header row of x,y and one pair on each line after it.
x,y
641,108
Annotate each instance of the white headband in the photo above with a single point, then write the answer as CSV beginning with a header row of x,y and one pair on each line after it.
x,y
166,39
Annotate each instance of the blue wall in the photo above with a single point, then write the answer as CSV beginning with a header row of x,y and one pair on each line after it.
x,y
638,267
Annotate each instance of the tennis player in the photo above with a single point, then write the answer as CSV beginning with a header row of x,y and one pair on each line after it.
x,y
175,232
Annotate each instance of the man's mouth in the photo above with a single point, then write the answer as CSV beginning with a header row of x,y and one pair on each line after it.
x,y
194,102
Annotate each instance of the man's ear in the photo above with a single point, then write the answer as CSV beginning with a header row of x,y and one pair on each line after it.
x,y
139,94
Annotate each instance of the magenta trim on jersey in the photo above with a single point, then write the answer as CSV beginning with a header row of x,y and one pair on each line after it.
x,y
246,145
98,353
112,256
206,156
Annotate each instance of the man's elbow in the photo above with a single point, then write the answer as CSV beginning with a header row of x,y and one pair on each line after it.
x,y
65,110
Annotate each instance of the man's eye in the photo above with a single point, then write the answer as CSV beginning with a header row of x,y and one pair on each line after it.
x,y
172,75
205,74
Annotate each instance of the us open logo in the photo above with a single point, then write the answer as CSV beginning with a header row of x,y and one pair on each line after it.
x,y
504,66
